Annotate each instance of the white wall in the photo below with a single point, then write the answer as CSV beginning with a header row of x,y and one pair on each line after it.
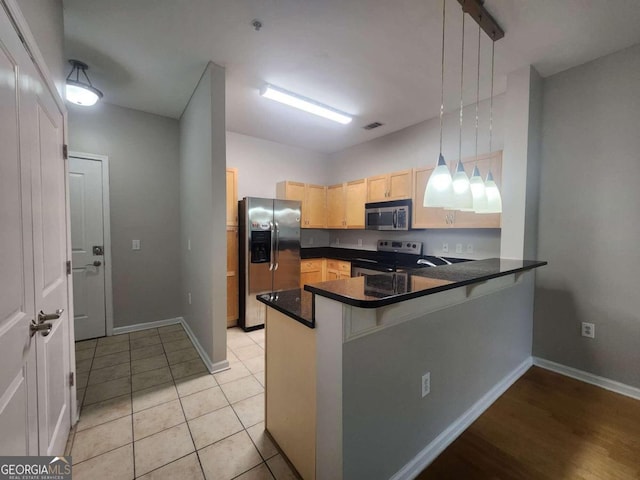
x,y
143,156
203,215
261,164
417,146
588,220
45,21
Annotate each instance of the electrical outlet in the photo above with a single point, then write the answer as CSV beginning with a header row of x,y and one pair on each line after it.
x,y
189,244
458,248
189,297
588,330
135,244
445,248
310,240
470,248
426,384
359,242
337,240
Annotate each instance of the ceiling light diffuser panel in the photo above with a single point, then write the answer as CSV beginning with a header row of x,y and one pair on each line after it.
x,y
305,104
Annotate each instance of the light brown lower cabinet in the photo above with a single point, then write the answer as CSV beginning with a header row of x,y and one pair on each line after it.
x,y
311,271
338,269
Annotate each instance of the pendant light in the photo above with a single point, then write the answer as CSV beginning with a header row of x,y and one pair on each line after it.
x,y
462,198
439,189
494,199
476,183
81,91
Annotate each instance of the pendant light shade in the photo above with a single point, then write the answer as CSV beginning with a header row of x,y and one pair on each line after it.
x,y
478,191
494,200
80,90
439,191
462,198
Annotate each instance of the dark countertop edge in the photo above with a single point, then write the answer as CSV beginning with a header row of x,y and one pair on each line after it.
x,y
290,314
383,302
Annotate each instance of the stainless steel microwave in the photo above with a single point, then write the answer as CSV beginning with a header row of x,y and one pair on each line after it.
x,y
394,215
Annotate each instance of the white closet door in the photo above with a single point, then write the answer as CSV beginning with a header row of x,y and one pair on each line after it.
x,y
18,400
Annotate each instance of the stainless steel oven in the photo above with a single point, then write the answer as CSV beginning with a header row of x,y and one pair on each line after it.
x,y
394,215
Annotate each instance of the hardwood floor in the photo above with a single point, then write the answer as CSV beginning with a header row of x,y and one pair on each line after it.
x,y
547,426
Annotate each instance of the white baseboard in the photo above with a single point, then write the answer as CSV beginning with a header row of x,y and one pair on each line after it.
x,y
442,441
212,367
587,377
144,326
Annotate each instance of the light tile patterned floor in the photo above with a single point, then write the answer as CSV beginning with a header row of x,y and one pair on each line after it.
x,y
151,410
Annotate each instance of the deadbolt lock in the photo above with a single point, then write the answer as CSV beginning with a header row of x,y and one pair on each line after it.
x,y
98,250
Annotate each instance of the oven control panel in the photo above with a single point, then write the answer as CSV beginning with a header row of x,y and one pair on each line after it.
x,y
400,246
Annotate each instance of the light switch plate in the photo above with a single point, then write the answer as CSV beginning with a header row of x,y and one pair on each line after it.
x,y
135,244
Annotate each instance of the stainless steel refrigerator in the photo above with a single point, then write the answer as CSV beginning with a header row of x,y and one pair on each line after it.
x,y
269,253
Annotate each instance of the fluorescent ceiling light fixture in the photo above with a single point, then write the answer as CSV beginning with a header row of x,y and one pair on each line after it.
x,y
78,90
306,104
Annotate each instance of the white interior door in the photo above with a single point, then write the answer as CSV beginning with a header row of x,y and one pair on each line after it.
x,y
87,232
18,422
50,279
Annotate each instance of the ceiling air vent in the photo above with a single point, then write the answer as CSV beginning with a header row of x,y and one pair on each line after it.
x,y
373,125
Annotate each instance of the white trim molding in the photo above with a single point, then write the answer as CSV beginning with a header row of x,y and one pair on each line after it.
x,y
144,326
212,367
428,454
606,383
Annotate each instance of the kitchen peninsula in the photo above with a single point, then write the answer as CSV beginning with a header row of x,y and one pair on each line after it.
x,y
371,378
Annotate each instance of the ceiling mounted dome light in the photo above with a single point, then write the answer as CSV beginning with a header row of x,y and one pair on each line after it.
x,y
439,189
78,90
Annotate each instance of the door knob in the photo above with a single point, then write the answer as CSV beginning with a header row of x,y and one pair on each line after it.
x,y
96,263
43,317
44,328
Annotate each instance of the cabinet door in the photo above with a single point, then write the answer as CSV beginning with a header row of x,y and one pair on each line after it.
x,y
377,188
355,198
491,161
232,196
399,185
310,277
336,206
333,275
316,200
427,217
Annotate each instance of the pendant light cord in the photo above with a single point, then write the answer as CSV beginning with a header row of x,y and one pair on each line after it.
x,y
461,92
493,49
444,3
477,93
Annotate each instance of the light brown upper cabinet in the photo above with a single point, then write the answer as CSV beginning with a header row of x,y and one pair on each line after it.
x,y
433,217
345,204
232,197
313,199
391,186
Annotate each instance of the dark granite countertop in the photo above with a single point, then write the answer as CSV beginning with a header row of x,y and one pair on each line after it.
x,y
350,254
374,291
297,304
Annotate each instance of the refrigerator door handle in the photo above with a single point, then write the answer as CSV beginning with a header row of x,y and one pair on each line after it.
x,y
277,247
272,255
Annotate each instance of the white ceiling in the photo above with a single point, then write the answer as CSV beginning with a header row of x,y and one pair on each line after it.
x,y
376,59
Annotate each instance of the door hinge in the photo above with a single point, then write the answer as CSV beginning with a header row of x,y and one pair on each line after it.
x,y
72,379
68,267
65,151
